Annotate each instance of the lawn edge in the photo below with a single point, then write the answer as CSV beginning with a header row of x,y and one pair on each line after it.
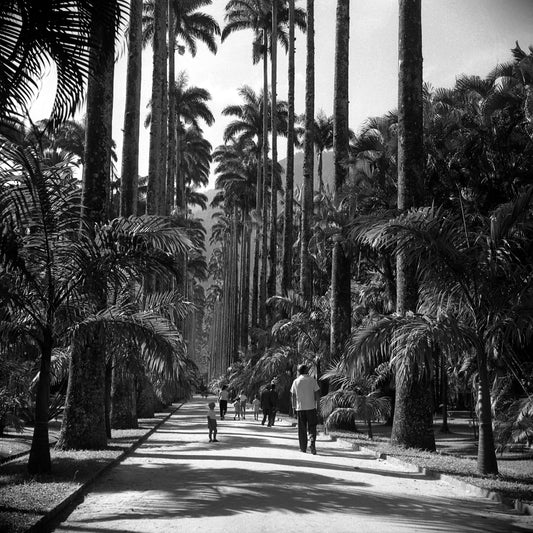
x,y
70,502
469,488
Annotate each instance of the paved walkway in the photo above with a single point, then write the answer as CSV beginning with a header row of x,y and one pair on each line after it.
x,y
256,480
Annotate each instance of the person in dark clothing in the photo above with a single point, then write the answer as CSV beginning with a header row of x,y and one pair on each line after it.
x,y
265,403
273,404
223,401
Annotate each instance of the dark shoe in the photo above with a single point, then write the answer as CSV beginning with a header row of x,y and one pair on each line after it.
x,y
303,451
210,440
313,449
215,440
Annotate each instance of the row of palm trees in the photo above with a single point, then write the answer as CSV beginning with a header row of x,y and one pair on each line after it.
x,y
425,276
73,282
79,276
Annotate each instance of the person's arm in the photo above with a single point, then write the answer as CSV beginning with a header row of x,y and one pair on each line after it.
x,y
317,395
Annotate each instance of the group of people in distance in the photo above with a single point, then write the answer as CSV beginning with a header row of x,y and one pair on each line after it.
x,y
305,394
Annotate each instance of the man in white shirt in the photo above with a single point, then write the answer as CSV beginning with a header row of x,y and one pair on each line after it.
x,y
305,394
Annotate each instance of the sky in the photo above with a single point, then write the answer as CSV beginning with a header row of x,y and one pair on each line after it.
x,y
459,37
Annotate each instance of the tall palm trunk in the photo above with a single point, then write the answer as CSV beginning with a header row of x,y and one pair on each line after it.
x,y
171,165
155,185
413,412
287,274
320,159
340,270
486,459
264,215
180,179
245,281
84,422
257,239
235,293
272,278
123,380
306,272
39,461
162,201
130,146
444,394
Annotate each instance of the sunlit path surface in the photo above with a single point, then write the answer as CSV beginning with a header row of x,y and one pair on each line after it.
x,y
256,480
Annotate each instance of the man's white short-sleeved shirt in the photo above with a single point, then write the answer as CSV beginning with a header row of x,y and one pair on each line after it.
x,y
224,395
304,388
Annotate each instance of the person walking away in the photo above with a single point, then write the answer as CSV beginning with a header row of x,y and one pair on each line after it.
x,y
305,394
265,403
243,398
223,397
256,404
237,407
212,422
273,404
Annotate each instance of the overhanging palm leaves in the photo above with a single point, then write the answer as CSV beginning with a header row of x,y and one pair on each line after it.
x,y
37,35
52,266
475,280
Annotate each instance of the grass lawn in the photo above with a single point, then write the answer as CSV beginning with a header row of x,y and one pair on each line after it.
x,y
457,451
24,499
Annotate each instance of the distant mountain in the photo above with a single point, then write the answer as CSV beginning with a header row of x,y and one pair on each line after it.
x,y
327,173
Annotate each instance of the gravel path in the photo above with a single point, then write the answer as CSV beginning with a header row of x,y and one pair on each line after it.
x,y
256,480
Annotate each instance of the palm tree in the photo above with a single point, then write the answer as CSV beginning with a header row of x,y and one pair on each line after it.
x,y
191,106
286,276
523,64
340,261
352,400
156,13
88,362
413,413
475,286
195,161
306,273
374,154
48,273
323,141
84,425
187,25
273,252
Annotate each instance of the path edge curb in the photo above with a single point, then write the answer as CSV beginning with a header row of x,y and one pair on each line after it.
x,y
469,488
72,499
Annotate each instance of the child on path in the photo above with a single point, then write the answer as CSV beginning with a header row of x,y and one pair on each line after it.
x,y
243,398
256,404
237,407
212,422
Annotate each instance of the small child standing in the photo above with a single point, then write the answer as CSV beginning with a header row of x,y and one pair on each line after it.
x,y
212,422
237,407
256,404
243,398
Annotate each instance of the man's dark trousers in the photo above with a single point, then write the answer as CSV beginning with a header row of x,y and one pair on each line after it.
x,y
307,421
